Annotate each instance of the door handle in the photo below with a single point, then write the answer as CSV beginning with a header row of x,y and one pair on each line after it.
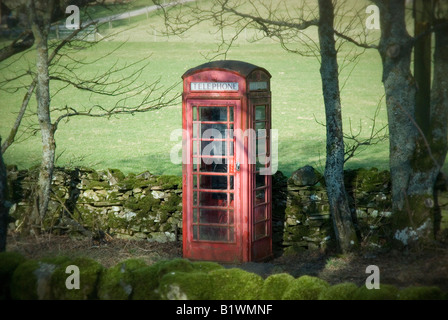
x,y
237,166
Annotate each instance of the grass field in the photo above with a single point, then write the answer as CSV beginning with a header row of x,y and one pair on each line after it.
x,y
142,142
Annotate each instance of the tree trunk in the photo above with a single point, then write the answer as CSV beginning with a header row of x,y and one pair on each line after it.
x,y
412,166
334,168
40,22
3,206
439,104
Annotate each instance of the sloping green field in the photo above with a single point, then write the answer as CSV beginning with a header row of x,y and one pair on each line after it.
x,y
142,142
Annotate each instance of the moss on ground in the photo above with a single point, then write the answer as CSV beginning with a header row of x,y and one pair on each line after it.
x,y
234,284
341,291
146,283
116,282
9,261
185,286
31,279
89,274
385,292
275,285
205,266
305,288
421,293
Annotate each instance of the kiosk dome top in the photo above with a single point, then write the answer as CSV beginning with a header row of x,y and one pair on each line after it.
x,y
240,67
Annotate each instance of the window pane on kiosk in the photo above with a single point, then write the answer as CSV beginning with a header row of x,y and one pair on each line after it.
x,y
260,181
213,199
213,216
260,113
213,182
260,213
213,148
213,165
213,130
260,230
213,114
260,196
213,233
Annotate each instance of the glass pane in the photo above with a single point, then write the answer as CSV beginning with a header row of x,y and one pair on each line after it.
x,y
213,130
212,199
213,182
231,113
213,165
213,148
195,147
231,217
231,234
195,233
260,113
195,130
260,163
195,198
213,233
260,230
213,216
213,113
195,113
231,183
259,213
261,147
260,196
260,181
195,181
195,215
261,133
260,125
231,200
230,151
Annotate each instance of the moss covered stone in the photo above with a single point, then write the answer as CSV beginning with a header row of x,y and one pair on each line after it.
x,y
116,282
89,274
31,279
234,284
305,288
169,181
341,291
146,283
385,292
421,293
9,261
185,286
275,285
205,266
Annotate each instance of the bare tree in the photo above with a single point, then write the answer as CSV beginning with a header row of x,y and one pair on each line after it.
x,y
56,62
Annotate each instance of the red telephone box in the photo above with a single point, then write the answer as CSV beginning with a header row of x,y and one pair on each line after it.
x,y
226,117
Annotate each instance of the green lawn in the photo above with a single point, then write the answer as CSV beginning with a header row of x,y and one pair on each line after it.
x,y
142,142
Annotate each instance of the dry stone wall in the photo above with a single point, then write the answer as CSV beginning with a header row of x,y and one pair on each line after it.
x,y
84,201
148,207
307,222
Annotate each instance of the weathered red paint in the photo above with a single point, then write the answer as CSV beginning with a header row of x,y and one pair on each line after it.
x,y
227,204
